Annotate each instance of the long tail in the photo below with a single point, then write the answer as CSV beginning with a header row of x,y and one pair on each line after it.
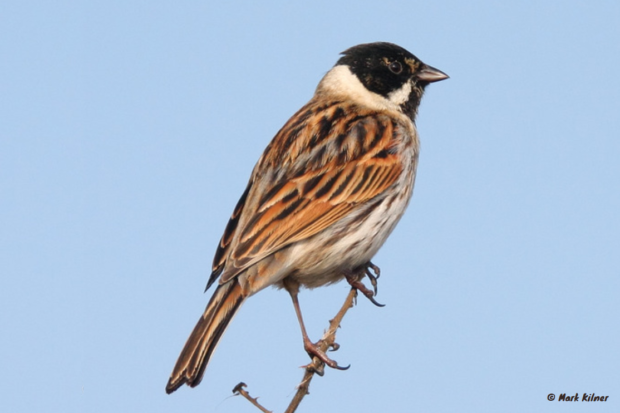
x,y
192,362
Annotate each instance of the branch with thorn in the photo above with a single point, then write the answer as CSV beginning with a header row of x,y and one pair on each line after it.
x,y
315,367
239,390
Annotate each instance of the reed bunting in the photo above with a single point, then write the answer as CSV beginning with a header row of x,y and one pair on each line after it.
x,y
324,196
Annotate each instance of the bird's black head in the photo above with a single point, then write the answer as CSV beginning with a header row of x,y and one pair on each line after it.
x,y
392,72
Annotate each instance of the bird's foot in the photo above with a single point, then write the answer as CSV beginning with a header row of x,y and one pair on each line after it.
x,y
314,350
372,277
354,281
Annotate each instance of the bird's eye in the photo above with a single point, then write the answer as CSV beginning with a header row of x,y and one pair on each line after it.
x,y
396,67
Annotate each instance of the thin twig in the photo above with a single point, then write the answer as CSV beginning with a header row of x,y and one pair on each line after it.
x,y
239,390
315,367
326,342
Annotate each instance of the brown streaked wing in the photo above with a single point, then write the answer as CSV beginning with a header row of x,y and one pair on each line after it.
x,y
220,255
342,173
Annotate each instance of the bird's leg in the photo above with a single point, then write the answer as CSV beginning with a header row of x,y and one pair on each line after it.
x,y
353,278
313,349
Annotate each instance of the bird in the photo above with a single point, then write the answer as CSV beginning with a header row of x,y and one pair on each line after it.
x,y
323,197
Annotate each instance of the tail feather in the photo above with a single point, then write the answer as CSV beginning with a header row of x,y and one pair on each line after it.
x,y
203,340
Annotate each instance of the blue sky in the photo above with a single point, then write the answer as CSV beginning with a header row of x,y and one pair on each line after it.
x,y
129,130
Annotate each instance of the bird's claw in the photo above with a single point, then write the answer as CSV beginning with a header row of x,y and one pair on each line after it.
x,y
314,350
371,266
372,277
355,282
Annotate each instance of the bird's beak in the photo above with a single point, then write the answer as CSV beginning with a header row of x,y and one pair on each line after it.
x,y
430,74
